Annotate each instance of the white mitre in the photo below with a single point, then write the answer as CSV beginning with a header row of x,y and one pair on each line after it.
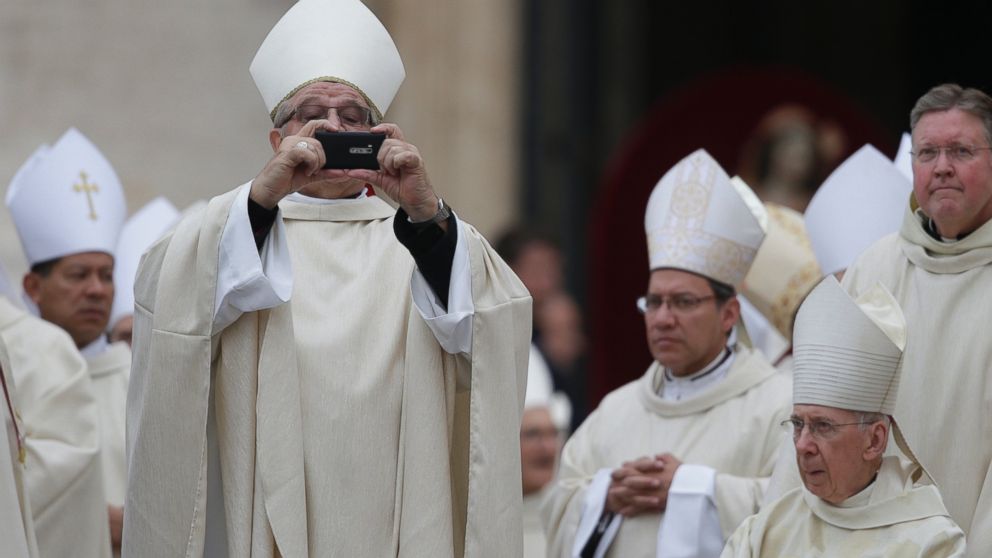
x,y
848,352
540,391
904,157
784,270
66,199
145,227
337,41
864,199
698,220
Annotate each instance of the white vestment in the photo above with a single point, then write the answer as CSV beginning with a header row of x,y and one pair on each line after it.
x,y
343,428
535,542
727,438
891,518
16,524
110,370
62,470
944,291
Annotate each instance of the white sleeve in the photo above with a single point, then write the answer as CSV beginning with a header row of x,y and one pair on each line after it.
x,y
593,505
691,526
452,326
249,279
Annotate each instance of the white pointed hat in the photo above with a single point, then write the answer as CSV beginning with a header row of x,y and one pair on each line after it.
x,y
784,270
66,199
847,352
540,391
904,157
328,40
864,199
698,220
145,227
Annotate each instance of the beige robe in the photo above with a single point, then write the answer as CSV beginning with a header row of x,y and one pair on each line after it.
x,y
891,518
62,471
16,525
110,371
733,427
944,291
343,427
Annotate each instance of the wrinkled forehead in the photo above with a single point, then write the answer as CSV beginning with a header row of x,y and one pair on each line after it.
x,y
822,412
327,93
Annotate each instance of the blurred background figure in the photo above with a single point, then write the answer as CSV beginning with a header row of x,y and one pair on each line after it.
x,y
558,330
788,153
140,231
546,418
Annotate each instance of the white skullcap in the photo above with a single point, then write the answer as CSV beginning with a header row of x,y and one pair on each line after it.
x,y
328,40
540,391
146,226
698,220
863,200
66,199
847,352
904,157
784,270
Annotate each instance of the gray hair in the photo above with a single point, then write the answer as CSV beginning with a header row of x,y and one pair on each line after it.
x,y
948,96
866,419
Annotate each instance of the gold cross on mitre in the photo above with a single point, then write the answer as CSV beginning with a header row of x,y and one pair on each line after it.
x,y
88,189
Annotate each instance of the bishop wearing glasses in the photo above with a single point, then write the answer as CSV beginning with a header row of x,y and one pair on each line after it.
x,y
316,372
856,500
670,464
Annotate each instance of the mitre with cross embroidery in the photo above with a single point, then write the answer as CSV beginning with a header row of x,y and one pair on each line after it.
x,y
66,199
699,220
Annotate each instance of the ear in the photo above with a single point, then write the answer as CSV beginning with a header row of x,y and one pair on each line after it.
x,y
729,314
275,138
877,440
32,286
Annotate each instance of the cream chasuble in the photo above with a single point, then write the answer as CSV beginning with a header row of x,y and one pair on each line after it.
x,y
731,427
891,518
343,427
944,291
110,371
16,525
62,470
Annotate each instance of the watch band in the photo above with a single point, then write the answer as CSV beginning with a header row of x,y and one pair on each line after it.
x,y
443,212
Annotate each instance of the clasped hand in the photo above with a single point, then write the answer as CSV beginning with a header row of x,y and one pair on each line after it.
x,y
641,486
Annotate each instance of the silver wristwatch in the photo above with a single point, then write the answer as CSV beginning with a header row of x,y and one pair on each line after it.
x,y
441,216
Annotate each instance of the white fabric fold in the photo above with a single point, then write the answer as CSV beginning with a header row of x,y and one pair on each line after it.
x,y
690,527
593,506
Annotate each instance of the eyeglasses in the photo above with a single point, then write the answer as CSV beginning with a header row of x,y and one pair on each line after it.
x,y
818,429
352,117
679,303
958,153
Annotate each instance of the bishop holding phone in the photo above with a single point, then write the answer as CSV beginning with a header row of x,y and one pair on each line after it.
x,y
307,358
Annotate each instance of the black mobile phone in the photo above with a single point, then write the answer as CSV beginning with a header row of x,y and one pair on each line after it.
x,y
351,150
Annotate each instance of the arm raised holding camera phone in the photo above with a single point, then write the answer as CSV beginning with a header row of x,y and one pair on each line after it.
x,y
299,160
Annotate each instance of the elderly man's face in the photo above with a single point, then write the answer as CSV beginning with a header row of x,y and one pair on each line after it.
x,y
331,96
839,465
76,295
538,449
957,195
686,340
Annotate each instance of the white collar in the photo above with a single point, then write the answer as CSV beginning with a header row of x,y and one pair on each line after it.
x,y
95,348
301,198
674,388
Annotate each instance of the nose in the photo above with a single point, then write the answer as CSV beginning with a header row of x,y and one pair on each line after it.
x,y
942,164
96,286
334,119
805,443
663,317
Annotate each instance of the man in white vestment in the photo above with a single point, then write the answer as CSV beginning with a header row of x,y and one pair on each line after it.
x,y
668,465
855,500
316,372
939,268
68,207
547,415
